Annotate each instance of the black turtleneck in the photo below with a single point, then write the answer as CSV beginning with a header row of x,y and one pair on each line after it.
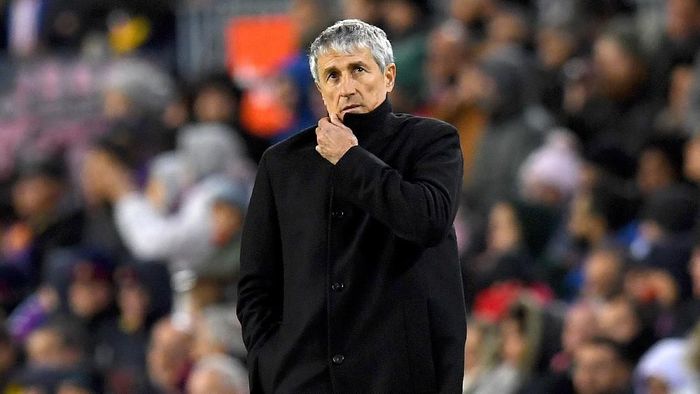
x,y
371,124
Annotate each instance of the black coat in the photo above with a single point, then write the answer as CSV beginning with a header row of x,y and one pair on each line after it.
x,y
350,281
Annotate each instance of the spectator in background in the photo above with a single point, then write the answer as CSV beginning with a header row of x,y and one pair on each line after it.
x,y
56,354
688,311
462,106
369,11
621,108
620,320
47,220
121,341
507,29
656,293
608,165
508,139
680,39
91,291
474,14
599,216
517,235
218,374
168,179
660,163
667,220
217,99
579,326
181,238
168,357
677,117
555,46
134,88
526,350
136,95
451,96
407,23
217,276
448,48
600,367
480,355
664,368
603,272
550,175
100,231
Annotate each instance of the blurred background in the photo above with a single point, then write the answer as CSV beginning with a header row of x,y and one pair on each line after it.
x,y
130,132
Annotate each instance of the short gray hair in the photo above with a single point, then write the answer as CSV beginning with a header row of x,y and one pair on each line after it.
x,y
347,35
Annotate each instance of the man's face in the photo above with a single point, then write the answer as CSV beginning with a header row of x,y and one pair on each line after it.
x,y
353,83
597,370
617,321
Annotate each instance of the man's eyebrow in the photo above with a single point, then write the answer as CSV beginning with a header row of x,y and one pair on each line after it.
x,y
358,63
329,70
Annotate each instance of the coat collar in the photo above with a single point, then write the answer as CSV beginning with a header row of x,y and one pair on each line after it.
x,y
370,125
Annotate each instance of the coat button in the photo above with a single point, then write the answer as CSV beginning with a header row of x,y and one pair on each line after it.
x,y
337,286
338,214
338,359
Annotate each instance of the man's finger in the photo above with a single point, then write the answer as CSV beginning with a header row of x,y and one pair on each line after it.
x,y
335,119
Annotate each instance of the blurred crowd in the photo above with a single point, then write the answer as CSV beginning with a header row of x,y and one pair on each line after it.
x,y
124,186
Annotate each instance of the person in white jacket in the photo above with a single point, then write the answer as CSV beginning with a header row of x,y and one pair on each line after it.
x,y
176,229
210,155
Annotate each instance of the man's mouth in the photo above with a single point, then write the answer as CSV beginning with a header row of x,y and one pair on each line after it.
x,y
349,107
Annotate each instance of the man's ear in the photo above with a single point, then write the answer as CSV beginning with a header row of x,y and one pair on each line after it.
x,y
390,76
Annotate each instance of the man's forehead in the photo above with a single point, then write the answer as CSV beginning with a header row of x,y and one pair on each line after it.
x,y
334,58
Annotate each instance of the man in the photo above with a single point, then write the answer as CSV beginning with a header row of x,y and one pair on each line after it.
x,y
349,273
600,368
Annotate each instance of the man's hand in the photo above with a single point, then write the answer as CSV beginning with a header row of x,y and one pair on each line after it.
x,y
104,178
333,138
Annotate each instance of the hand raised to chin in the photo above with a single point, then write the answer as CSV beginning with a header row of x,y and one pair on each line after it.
x,y
333,138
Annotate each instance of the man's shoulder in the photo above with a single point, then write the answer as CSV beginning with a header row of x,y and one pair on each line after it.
x,y
421,124
305,139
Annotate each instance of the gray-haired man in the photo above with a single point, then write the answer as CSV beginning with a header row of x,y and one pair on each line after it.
x,y
350,280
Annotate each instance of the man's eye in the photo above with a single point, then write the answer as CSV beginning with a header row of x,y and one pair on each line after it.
x,y
360,68
331,76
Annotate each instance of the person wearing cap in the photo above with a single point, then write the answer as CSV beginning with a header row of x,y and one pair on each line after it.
x,y
350,279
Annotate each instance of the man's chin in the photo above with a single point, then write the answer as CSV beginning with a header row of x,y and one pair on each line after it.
x,y
356,110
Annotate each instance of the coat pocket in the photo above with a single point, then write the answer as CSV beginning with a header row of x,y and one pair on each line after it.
x,y
419,346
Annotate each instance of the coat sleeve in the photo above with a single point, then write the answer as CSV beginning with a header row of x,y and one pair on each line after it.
x,y
418,205
260,288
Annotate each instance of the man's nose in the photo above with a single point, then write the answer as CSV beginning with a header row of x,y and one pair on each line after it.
x,y
347,86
